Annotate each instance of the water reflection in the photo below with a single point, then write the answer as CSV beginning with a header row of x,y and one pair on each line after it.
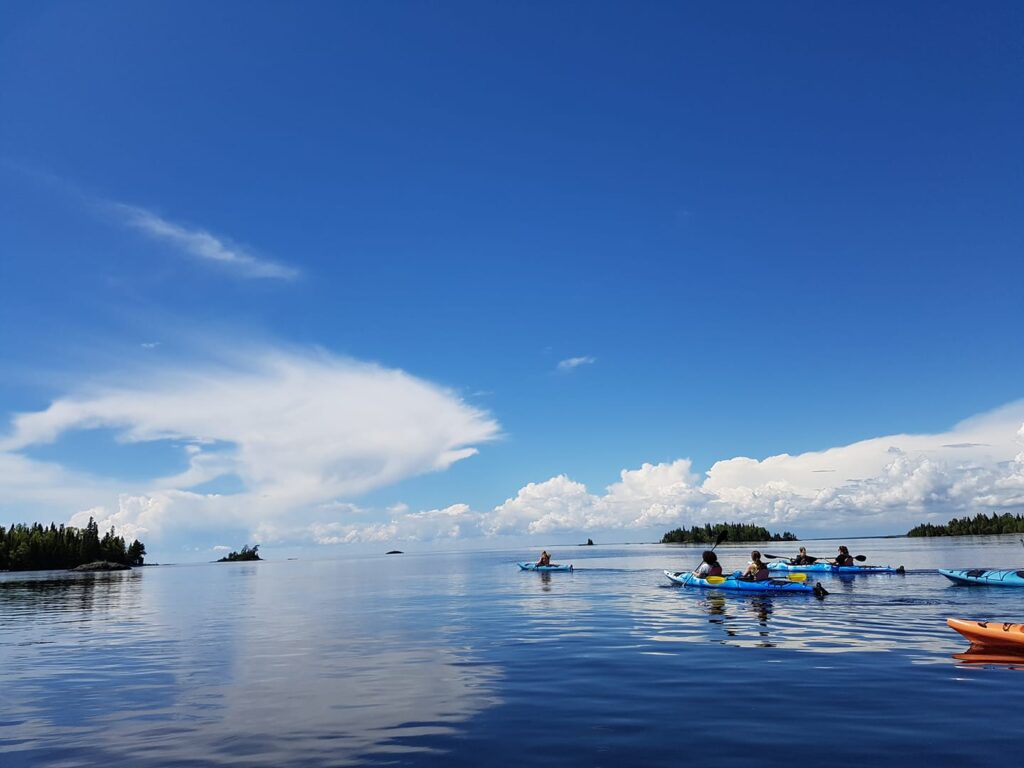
x,y
430,659
975,656
220,665
25,594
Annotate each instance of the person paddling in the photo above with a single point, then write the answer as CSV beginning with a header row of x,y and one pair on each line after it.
x,y
844,557
802,558
709,565
757,570
545,558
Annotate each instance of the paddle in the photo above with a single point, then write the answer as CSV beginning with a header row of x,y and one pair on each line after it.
x,y
858,558
721,537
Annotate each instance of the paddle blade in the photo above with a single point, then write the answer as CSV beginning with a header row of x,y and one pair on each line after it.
x,y
860,558
715,579
797,576
773,557
721,537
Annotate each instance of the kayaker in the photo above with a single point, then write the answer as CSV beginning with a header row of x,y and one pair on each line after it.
x,y
844,557
802,558
709,565
545,558
757,570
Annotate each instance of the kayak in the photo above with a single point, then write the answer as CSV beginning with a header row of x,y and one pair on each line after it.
x,y
781,565
986,576
990,633
544,568
685,579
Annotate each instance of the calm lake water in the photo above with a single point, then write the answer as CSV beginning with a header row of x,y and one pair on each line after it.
x,y
461,659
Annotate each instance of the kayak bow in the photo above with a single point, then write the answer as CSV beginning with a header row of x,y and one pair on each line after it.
x,y
985,576
990,634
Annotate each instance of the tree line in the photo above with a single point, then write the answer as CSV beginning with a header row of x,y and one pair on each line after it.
x,y
979,525
708,534
247,553
35,547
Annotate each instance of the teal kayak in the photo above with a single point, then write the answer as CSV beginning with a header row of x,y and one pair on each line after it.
x,y
781,565
985,576
544,568
686,579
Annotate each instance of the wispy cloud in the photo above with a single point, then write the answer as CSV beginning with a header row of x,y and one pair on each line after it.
x,y
194,241
202,244
572,363
297,429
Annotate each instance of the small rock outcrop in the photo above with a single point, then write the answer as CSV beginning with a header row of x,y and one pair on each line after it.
x,y
102,565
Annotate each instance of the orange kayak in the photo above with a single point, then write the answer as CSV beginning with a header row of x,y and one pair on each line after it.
x,y
990,633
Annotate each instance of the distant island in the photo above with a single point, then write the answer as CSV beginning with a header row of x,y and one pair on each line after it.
x,y
707,534
979,525
247,553
38,548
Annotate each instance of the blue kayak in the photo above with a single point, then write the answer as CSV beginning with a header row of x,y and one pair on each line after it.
x,y
986,577
686,579
544,568
781,565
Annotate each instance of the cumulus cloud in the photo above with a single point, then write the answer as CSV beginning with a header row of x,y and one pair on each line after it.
x,y
297,430
878,485
201,244
572,363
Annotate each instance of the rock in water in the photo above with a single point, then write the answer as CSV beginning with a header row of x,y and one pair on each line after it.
x,y
102,565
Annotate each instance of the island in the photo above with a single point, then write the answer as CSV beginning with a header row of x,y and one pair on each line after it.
x,y
708,534
979,525
36,547
246,554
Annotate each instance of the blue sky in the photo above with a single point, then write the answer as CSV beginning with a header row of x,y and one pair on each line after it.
x,y
374,231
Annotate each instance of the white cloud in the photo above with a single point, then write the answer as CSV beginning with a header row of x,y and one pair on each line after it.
x,y
304,433
202,244
884,484
297,430
454,522
572,363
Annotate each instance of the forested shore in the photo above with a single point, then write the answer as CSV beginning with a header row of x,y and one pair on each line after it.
x,y
708,534
36,547
979,525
